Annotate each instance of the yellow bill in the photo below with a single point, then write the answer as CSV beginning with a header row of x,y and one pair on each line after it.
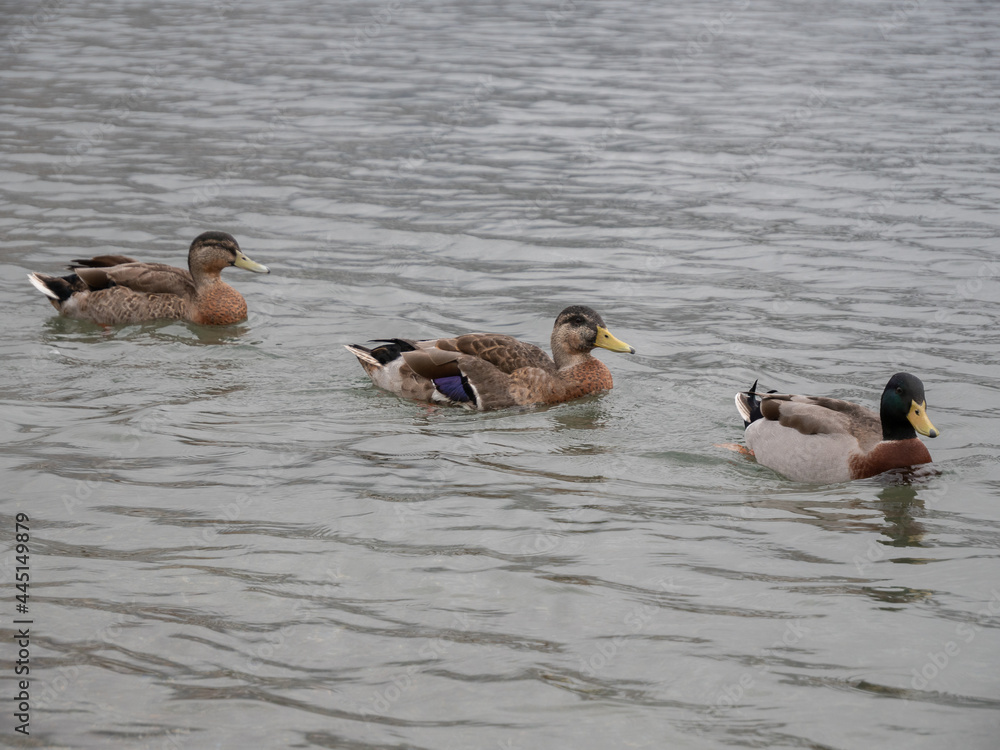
x,y
607,341
917,416
242,261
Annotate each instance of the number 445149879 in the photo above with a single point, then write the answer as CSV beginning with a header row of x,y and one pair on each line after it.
x,y
21,549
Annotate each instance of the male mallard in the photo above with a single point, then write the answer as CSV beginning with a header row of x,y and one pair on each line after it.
x,y
493,371
114,289
821,440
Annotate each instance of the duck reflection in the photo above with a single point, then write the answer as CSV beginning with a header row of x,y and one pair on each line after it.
x,y
902,506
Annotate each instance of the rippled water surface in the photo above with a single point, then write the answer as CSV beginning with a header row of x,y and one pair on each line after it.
x,y
237,541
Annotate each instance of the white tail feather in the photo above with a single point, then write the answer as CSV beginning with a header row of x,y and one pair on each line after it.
x,y
363,355
36,281
742,406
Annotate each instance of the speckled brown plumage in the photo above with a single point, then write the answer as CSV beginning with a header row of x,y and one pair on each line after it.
x,y
115,289
220,305
505,352
119,305
493,371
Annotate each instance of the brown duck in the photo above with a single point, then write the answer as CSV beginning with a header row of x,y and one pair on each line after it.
x,y
492,371
115,289
810,439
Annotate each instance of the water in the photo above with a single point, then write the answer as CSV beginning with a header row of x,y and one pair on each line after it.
x,y
237,541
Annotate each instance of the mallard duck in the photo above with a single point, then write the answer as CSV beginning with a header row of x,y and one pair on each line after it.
x,y
115,289
492,371
810,439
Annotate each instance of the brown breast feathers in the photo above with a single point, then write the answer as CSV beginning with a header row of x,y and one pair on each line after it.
x,y
220,305
891,454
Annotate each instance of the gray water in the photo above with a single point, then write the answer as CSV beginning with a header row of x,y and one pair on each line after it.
x,y
237,541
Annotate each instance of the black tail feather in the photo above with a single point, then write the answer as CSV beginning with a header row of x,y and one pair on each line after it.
x,y
752,402
389,350
63,287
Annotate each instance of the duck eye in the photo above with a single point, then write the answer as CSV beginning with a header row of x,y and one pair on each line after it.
x,y
899,390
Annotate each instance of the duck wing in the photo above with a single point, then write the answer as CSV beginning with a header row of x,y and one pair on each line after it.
x,y
506,353
812,415
147,278
100,261
476,370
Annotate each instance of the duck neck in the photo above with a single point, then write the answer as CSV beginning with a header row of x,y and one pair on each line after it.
x,y
566,358
894,428
204,279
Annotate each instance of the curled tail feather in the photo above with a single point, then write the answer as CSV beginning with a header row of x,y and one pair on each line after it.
x,y
748,404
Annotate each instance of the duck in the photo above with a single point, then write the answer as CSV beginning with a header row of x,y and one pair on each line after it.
x,y
826,440
115,289
485,371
